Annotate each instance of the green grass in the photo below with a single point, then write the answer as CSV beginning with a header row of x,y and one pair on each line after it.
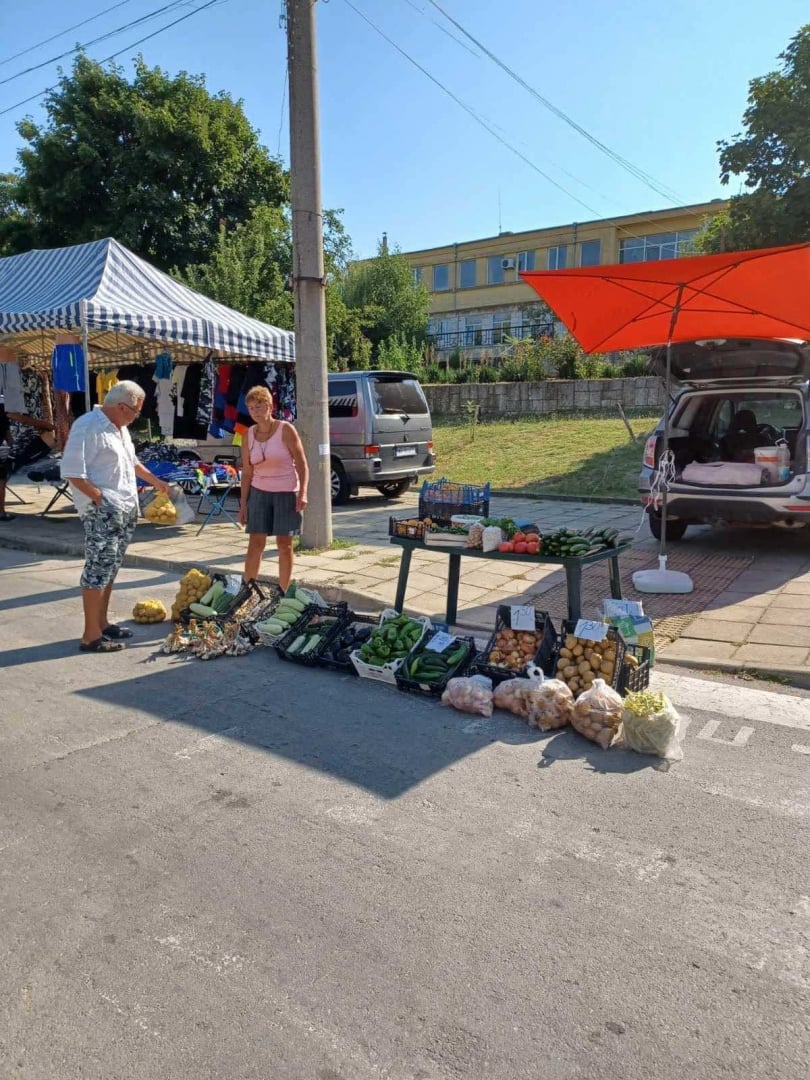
x,y
555,455
337,544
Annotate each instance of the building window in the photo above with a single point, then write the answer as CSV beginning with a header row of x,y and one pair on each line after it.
x,y
558,257
658,246
495,270
590,253
342,399
473,331
466,274
526,261
416,274
501,327
441,277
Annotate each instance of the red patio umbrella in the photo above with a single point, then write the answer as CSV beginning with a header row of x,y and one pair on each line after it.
x,y
742,294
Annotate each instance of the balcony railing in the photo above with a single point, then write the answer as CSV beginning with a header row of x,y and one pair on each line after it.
x,y
480,338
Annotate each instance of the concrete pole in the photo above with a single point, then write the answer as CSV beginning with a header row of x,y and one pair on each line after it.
x,y
308,270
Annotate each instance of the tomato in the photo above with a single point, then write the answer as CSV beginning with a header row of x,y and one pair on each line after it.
x,y
532,549
519,538
521,547
507,545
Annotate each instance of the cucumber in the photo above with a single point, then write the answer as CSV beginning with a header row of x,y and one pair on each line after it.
x,y
202,610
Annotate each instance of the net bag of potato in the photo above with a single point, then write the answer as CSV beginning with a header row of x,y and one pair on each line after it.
x,y
551,705
650,725
470,695
598,713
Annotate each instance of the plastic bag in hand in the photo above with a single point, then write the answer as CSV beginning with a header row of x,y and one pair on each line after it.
x,y
598,713
551,705
650,725
470,695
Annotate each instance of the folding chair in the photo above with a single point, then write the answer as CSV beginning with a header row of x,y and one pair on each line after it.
x,y
12,494
62,491
212,497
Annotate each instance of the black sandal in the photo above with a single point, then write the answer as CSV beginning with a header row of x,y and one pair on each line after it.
x,y
7,517
101,644
116,633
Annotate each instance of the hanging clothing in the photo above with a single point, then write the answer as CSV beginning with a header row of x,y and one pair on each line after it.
x,y
163,366
178,378
67,363
32,395
165,406
61,417
105,380
11,388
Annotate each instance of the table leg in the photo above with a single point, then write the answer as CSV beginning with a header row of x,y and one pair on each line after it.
x,y
573,581
453,573
615,578
402,584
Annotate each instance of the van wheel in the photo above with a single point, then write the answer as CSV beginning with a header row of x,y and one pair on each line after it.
x,y
675,529
394,488
339,484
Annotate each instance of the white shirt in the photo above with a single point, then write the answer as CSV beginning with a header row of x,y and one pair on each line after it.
x,y
100,452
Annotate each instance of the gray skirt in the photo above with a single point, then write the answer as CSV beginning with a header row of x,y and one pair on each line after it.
x,y
273,513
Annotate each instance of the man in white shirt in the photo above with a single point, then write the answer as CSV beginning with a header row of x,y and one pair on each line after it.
x,y
100,463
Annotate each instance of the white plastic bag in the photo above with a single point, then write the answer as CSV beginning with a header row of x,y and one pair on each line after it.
x,y
470,695
513,695
551,705
492,538
185,515
650,725
598,713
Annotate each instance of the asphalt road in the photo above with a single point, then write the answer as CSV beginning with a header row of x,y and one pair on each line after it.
x,y
251,871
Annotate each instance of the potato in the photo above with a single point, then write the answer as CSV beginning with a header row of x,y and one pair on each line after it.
x,y
588,677
566,653
583,667
607,670
578,650
596,660
609,654
574,685
570,641
562,663
588,654
570,672
631,661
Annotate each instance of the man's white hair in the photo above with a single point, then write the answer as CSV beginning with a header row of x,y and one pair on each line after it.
x,y
125,392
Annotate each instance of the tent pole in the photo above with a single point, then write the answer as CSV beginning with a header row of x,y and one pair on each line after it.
x,y
668,393
85,352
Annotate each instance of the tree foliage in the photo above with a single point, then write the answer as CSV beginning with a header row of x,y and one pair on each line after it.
x,y
772,153
391,301
157,162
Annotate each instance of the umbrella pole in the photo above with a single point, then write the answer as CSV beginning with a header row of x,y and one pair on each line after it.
x,y
662,551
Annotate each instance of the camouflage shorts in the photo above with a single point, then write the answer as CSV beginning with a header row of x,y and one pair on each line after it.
x,y
107,533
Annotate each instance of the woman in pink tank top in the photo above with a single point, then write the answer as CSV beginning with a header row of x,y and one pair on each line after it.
x,y
274,486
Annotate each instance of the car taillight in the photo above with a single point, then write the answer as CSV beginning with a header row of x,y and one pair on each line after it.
x,y
371,451
649,451
430,447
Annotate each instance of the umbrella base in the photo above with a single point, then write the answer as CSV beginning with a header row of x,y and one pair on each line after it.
x,y
662,580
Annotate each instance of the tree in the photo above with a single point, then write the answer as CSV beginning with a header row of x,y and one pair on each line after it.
x,y
16,227
159,163
391,300
773,154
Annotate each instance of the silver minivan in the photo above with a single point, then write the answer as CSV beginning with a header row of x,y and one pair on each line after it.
x,y
735,397
380,432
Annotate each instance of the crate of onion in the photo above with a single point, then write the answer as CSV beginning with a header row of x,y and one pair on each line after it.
x,y
509,651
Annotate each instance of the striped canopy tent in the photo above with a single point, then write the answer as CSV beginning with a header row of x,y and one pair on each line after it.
x,y
125,307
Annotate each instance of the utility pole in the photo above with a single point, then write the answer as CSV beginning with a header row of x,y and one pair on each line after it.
x,y
308,270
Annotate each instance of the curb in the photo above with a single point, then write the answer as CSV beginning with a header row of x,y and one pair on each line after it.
x,y
799,677
504,493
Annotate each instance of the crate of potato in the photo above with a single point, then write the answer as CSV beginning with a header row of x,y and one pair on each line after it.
x,y
580,661
508,651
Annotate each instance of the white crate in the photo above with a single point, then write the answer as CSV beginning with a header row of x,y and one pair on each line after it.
x,y
388,672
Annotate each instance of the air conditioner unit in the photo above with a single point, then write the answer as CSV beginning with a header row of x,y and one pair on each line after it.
x,y
507,264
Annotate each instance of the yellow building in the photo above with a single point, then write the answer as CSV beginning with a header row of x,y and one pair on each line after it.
x,y
477,298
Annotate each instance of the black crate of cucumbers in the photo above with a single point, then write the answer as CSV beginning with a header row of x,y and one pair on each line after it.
x,y
434,661
579,661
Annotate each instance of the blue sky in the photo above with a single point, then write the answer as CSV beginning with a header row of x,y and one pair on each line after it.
x,y
658,83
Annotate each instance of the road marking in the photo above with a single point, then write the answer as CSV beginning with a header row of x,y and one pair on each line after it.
x,y
740,739
797,748
208,743
735,702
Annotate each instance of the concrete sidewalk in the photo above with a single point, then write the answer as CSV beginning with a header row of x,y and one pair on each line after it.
x,y
760,621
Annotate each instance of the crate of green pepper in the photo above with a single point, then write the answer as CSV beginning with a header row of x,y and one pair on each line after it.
x,y
382,656
437,658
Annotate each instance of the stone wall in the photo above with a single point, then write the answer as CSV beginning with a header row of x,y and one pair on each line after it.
x,y
513,399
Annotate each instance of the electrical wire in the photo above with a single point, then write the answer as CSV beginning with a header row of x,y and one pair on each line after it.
x,y
68,30
113,56
283,104
624,163
95,41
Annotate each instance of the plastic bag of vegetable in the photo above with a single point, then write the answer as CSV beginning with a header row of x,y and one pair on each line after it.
x,y
470,695
551,705
491,538
513,695
650,725
598,713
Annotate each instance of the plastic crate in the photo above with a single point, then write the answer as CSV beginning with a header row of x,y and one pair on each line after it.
x,y
387,673
263,610
249,597
186,614
325,659
337,613
434,689
624,678
408,528
439,500
544,657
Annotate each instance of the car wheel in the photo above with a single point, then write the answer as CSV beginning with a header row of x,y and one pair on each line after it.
x,y
392,489
675,529
339,483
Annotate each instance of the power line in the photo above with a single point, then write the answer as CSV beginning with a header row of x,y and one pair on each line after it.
x,y
113,56
95,41
623,162
68,30
283,103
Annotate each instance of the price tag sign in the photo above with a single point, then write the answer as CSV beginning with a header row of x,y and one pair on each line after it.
x,y
439,642
591,630
522,617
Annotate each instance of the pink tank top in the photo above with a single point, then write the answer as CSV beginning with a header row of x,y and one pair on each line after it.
x,y
273,466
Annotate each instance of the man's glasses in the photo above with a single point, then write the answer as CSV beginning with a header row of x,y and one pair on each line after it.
x,y
132,409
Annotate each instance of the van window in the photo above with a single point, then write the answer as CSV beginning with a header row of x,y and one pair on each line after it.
x,y
399,396
342,399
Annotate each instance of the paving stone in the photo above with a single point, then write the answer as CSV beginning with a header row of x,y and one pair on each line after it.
x,y
796,601
735,613
802,588
717,630
697,649
784,655
768,634
785,616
